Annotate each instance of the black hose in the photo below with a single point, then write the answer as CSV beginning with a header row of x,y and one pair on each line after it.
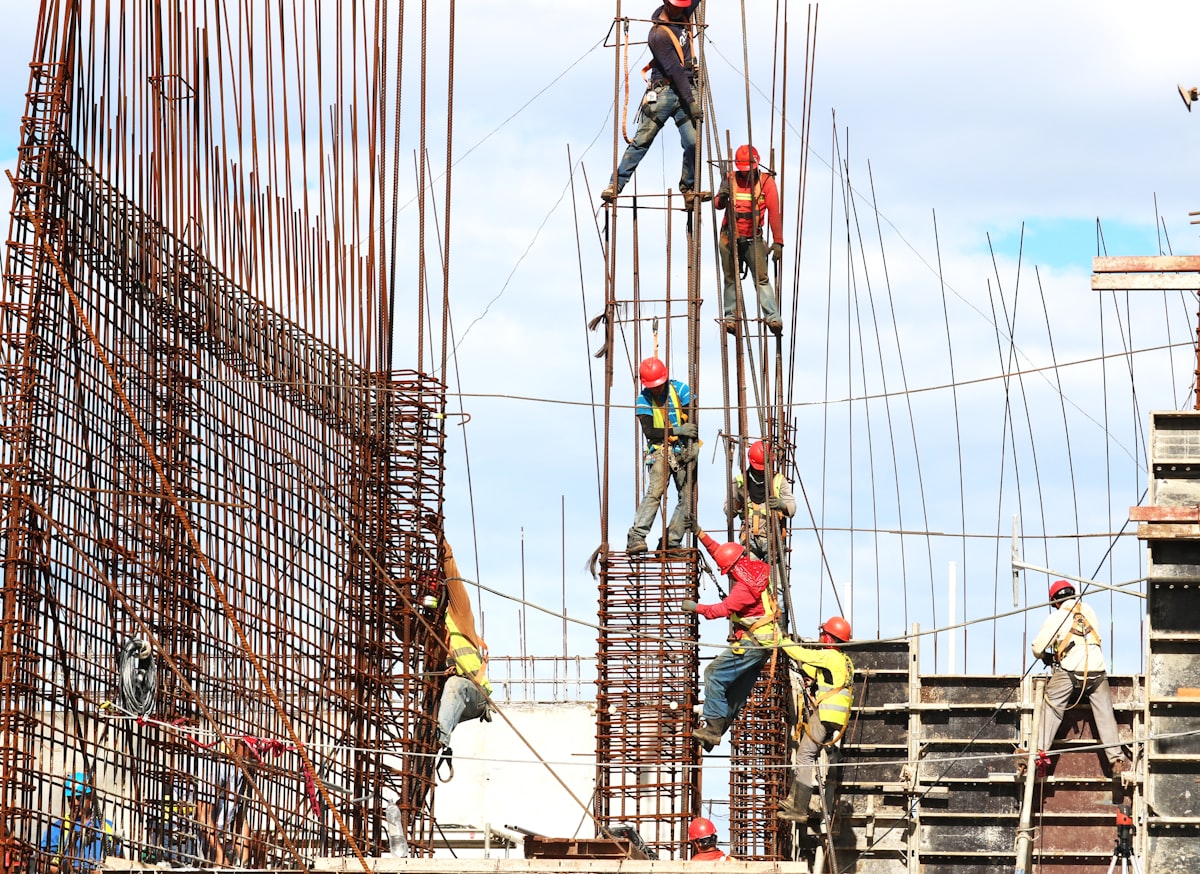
x,y
139,676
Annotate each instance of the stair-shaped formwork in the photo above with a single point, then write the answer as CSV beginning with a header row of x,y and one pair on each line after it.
x,y
1169,822
928,782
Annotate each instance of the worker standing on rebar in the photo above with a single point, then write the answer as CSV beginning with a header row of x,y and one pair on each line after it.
x,y
751,605
84,838
1069,642
662,410
702,835
672,93
827,694
754,198
467,692
754,503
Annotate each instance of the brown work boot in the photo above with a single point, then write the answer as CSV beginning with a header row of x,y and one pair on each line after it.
x,y
729,325
795,807
609,194
1120,766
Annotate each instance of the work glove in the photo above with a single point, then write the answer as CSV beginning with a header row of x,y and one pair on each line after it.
x,y
688,606
1048,659
695,112
777,253
698,531
688,430
774,502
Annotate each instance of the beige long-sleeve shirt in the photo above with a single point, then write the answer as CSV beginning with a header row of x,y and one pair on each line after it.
x,y
1085,653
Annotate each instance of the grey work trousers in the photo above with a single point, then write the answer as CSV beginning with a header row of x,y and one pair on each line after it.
x,y
461,700
681,469
1062,690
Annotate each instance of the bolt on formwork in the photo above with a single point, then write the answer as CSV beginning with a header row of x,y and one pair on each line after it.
x,y
647,762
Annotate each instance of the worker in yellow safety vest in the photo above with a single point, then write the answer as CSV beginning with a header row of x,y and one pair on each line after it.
x,y
662,409
827,677
751,499
466,693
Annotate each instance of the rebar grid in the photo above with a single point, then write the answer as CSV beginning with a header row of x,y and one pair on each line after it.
x,y
758,768
185,465
647,772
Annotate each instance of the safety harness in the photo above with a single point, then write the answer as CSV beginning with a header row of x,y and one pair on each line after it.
x,y
748,202
661,416
757,512
665,24
1080,628
764,629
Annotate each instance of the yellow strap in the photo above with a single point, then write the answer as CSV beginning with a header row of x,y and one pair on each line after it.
x,y
671,33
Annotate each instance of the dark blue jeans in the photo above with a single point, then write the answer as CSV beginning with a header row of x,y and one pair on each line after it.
x,y
730,677
653,119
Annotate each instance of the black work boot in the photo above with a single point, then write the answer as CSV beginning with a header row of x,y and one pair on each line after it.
x,y
795,807
710,732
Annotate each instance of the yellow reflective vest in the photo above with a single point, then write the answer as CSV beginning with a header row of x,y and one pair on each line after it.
x,y
834,675
467,660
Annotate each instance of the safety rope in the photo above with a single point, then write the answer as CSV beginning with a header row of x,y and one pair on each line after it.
x,y
138,676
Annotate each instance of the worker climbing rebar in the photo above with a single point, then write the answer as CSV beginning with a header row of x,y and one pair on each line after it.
x,y
827,694
672,93
671,448
751,605
752,193
754,503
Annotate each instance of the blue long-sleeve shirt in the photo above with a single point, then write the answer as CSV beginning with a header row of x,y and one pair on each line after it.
x,y
666,63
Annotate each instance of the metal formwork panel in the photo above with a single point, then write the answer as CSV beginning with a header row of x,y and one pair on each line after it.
x,y
648,773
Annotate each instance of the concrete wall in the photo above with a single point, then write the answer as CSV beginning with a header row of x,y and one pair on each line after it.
x,y
498,780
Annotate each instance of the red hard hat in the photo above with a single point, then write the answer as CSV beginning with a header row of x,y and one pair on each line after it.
x,y
727,555
680,3
745,159
837,627
700,828
653,373
1059,586
757,456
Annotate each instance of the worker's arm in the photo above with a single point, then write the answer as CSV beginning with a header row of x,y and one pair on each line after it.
x,y
774,216
734,503
653,435
830,660
740,599
789,500
1046,635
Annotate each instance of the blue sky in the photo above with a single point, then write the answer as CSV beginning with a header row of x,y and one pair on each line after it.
x,y
984,115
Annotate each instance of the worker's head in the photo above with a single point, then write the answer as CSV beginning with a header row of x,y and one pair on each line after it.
x,y
702,833
745,159
727,555
653,373
757,455
835,629
677,10
1061,590
78,791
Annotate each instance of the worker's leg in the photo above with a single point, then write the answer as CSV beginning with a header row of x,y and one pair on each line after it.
x,y
729,270
656,484
1100,699
1060,691
651,124
687,139
684,474
733,680
809,749
724,680
457,699
757,256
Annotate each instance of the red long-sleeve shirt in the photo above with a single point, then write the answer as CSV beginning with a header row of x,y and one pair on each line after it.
x,y
750,579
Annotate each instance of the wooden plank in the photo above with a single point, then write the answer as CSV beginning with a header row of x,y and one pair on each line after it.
x,y
1145,263
1165,514
1145,281
1167,531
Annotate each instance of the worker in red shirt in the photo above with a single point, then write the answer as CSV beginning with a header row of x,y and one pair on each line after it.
x,y
703,836
751,605
754,199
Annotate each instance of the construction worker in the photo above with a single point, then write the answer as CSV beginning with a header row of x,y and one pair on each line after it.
x,y
1069,641
671,94
754,198
754,502
751,605
703,837
467,692
828,694
84,838
662,410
